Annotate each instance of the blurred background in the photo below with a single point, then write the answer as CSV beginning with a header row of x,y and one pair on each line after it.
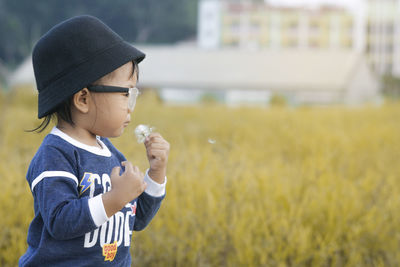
x,y
283,119
236,52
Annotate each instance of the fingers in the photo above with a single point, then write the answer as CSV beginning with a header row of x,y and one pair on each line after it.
x,y
136,169
129,168
158,153
156,145
157,149
156,141
154,137
115,171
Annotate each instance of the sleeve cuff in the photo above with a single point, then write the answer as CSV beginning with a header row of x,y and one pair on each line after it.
x,y
97,210
153,188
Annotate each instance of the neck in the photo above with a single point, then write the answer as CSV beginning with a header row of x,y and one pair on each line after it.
x,y
80,134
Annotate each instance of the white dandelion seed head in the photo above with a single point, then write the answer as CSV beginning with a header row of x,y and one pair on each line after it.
x,y
142,131
211,141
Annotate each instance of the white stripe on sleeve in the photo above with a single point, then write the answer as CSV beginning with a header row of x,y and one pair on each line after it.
x,y
97,210
48,174
153,188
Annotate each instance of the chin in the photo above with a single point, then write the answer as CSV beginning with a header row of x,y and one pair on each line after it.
x,y
120,132
115,134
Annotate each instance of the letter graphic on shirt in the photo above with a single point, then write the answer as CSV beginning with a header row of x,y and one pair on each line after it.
x,y
119,227
108,226
95,180
128,232
109,251
91,242
118,224
106,182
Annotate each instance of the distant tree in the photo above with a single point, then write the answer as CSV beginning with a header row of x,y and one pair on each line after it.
x,y
391,86
22,22
278,100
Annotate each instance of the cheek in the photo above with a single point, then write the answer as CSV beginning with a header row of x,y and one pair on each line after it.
x,y
104,106
100,102
113,115
111,109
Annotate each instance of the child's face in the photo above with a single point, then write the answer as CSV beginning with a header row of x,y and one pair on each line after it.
x,y
111,114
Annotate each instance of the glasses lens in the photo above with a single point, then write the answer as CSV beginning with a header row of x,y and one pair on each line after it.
x,y
133,93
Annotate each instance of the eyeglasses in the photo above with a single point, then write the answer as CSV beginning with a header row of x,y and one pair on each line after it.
x,y
133,92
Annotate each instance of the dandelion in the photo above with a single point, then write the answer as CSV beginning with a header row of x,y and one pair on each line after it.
x,y
142,131
211,141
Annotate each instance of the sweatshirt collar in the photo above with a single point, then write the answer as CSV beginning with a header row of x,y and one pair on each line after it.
x,y
103,151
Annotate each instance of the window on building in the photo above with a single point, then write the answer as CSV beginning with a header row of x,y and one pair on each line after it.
x,y
233,42
314,43
369,47
389,68
369,29
389,48
373,66
347,42
314,25
293,43
389,28
235,27
255,26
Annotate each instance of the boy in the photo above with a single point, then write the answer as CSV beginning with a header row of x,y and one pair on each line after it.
x,y
87,198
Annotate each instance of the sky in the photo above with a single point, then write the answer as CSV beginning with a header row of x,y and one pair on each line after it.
x,y
352,4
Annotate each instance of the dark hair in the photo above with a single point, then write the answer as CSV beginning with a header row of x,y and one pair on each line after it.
x,y
63,111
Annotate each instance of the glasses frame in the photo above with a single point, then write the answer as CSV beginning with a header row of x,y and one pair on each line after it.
x,y
133,92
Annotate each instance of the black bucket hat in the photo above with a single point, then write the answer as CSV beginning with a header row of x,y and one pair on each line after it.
x,y
74,54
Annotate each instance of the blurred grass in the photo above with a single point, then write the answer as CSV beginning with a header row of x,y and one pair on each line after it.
x,y
280,186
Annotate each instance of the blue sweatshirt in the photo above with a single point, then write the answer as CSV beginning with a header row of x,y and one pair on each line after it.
x,y
70,227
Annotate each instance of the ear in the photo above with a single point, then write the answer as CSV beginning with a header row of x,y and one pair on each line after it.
x,y
81,100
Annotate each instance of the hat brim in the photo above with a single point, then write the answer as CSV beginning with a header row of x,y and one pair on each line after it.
x,y
85,73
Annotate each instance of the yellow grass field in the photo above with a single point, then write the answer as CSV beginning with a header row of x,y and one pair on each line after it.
x,y
278,187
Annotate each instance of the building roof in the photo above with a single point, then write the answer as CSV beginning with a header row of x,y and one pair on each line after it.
x,y
294,69
193,68
23,74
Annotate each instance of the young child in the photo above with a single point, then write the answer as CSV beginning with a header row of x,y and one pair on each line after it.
x,y
87,198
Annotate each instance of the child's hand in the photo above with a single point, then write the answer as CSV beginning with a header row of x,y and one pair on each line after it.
x,y
157,154
124,188
130,184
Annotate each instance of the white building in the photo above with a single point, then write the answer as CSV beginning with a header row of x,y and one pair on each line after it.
x,y
246,25
208,24
383,36
188,75
373,28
